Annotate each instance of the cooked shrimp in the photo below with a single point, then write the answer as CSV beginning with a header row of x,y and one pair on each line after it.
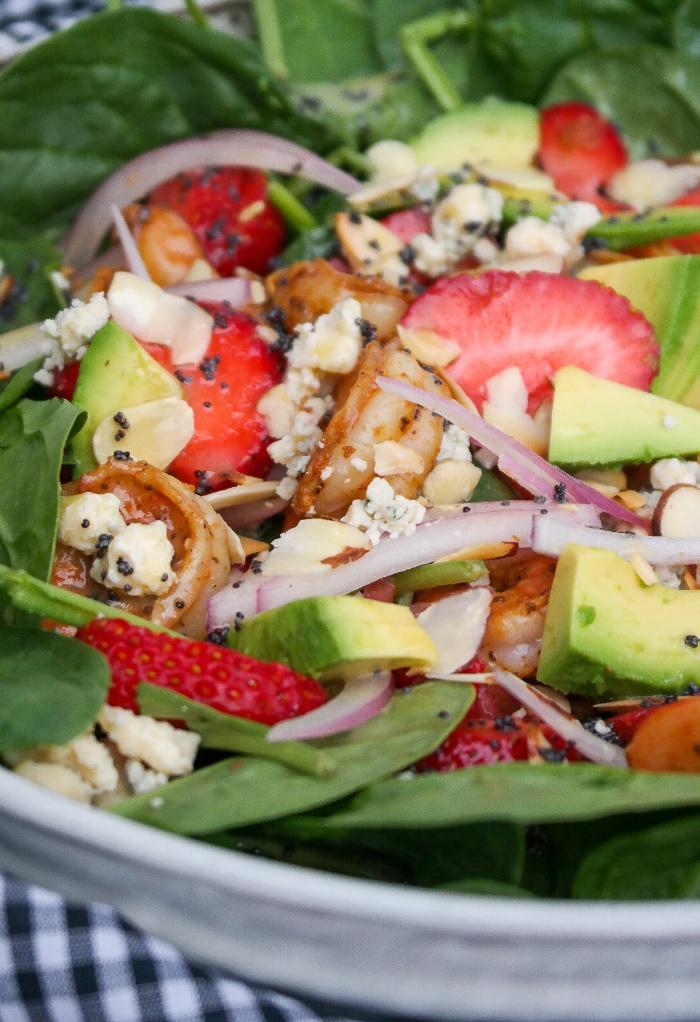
x,y
168,246
514,630
342,466
198,534
308,290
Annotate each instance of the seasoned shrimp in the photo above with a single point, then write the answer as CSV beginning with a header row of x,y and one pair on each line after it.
x,y
514,630
308,290
342,466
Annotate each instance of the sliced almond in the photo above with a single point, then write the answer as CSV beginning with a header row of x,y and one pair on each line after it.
x,y
236,549
155,316
429,347
392,457
253,546
246,493
200,270
312,546
157,432
481,552
457,393
610,478
643,569
519,425
451,482
507,390
365,241
677,515
631,499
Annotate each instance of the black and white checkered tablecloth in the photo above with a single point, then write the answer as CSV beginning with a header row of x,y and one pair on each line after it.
x,y
65,963
27,21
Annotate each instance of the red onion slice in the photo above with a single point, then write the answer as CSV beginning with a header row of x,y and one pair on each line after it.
x,y
430,541
585,514
360,699
515,456
551,537
235,290
219,148
128,242
239,596
570,729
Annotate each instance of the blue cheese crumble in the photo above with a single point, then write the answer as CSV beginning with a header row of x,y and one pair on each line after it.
x,y
384,511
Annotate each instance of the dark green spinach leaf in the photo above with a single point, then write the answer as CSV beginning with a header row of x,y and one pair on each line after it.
x,y
77,106
32,296
663,862
515,792
51,687
33,436
653,94
12,390
241,792
686,28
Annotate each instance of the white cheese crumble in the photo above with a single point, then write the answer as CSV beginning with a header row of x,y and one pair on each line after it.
x,y
465,215
358,463
672,471
646,183
669,576
532,236
137,561
141,778
455,445
333,343
87,516
81,769
383,510
56,777
157,744
70,334
389,160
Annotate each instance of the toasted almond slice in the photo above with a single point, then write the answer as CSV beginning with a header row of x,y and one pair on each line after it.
x,y
364,240
429,347
157,432
253,546
451,482
610,478
688,580
200,270
520,426
392,457
155,316
236,549
481,552
315,545
677,515
631,499
457,393
643,569
246,493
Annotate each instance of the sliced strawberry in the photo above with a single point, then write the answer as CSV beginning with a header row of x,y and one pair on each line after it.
x,y
690,243
474,742
538,322
228,209
580,149
491,700
229,434
214,675
406,223
64,381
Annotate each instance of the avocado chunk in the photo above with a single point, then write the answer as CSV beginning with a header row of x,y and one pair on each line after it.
x,y
608,634
336,637
665,290
115,373
489,134
599,422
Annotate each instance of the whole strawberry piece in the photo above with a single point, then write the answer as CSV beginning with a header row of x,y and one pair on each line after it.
x,y
228,209
223,391
538,322
214,675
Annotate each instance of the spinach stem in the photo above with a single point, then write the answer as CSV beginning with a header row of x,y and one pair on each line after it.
x,y
415,38
349,158
295,214
270,37
197,14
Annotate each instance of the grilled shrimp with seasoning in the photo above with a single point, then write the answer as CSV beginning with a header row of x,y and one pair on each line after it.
x,y
343,464
516,623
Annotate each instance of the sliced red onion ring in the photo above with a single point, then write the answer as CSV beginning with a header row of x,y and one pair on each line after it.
x,y
219,148
570,729
491,507
128,242
361,699
430,541
235,290
550,538
533,471
246,516
239,596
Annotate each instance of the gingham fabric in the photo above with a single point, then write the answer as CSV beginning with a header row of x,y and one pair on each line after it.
x,y
65,963
27,21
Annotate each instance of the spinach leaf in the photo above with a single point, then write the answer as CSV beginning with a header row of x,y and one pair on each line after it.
x,y
112,86
317,42
13,389
33,436
318,243
51,687
515,792
32,296
241,792
686,28
653,94
491,487
491,851
663,862
233,734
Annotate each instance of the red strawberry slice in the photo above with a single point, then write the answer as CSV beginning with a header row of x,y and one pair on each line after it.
x,y
474,742
228,209
690,243
64,381
406,223
214,675
580,149
538,322
223,390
